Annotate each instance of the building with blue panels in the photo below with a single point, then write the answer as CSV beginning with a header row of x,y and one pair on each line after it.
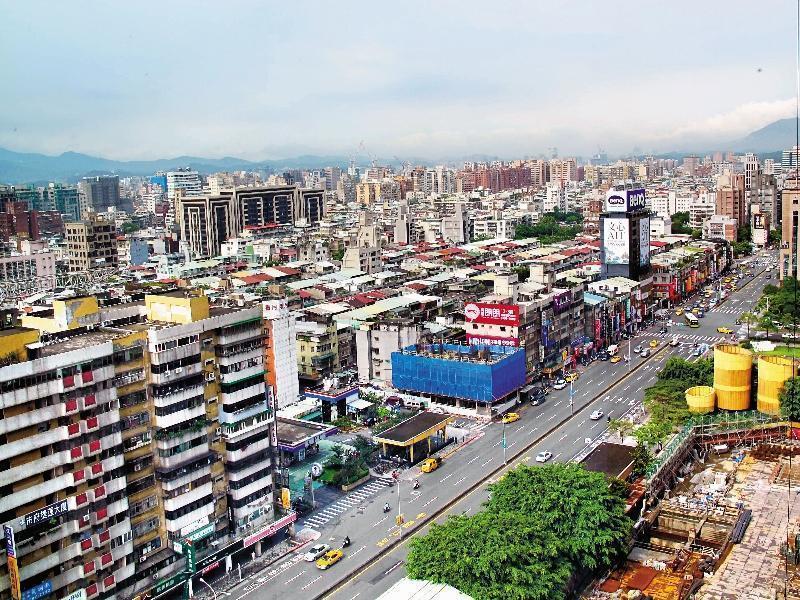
x,y
476,377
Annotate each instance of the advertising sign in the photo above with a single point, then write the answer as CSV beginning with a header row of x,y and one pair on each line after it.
x,y
38,591
11,559
48,512
76,595
562,302
270,530
644,241
202,533
620,201
286,498
758,221
489,340
492,314
616,234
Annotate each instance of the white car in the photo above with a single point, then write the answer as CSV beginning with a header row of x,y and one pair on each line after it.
x,y
315,552
596,415
674,341
544,456
560,384
637,349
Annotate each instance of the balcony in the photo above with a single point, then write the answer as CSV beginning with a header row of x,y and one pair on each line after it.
x,y
227,337
254,448
178,482
242,374
28,444
250,419
129,378
175,374
182,457
34,417
180,394
175,525
255,486
173,354
242,394
180,416
188,497
232,357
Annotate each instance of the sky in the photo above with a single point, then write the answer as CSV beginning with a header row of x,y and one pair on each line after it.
x,y
433,79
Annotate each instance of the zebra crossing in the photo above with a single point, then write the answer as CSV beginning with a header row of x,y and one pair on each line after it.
x,y
354,498
727,310
709,339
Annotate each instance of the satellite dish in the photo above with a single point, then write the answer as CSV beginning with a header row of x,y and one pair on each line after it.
x,y
316,469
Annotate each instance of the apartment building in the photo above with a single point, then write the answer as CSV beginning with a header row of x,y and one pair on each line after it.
x,y
91,244
138,430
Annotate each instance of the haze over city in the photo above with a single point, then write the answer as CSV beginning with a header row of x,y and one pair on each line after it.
x,y
436,80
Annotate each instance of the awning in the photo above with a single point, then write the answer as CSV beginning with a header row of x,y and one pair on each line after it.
x,y
359,404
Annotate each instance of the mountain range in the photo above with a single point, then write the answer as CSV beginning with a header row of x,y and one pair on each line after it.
x,y
19,167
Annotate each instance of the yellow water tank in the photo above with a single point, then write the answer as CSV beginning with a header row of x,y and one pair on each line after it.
x,y
733,366
773,371
700,399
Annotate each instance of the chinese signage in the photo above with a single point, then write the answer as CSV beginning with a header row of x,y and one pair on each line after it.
x,y
489,340
616,234
163,586
758,221
623,201
38,591
43,514
644,241
286,498
270,530
11,559
562,302
199,534
77,595
492,314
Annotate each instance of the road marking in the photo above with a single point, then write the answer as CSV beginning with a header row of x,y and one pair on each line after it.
x,y
310,583
561,439
556,456
518,428
534,429
357,551
473,460
553,416
421,516
288,581
527,458
356,596
429,501
487,462
381,521
460,480
446,478
393,567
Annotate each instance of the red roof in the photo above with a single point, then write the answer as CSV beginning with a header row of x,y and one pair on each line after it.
x,y
257,278
480,267
657,243
376,295
417,286
304,294
287,270
594,243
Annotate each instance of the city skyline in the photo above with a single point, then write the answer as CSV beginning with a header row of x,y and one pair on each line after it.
x,y
452,79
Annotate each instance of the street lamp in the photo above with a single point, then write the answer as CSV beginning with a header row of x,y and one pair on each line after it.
x,y
571,396
213,591
504,444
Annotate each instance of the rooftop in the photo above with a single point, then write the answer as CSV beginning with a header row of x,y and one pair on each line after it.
x,y
413,427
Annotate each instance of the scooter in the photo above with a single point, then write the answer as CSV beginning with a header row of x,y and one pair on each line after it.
x,y
346,542
386,507
416,484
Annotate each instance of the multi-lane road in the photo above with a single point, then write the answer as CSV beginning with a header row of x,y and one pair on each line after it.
x,y
376,557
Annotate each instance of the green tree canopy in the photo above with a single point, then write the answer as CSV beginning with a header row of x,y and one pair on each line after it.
x,y
694,373
492,556
575,504
680,223
548,230
789,399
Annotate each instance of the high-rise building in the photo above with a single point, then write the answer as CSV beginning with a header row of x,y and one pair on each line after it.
x,y
790,159
625,234
133,433
186,181
64,199
207,221
732,197
99,194
91,244
790,220
281,352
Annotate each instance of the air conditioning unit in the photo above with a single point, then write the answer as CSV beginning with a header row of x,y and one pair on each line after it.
x,y
138,467
179,370
167,373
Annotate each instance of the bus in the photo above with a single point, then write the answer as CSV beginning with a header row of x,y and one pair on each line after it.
x,y
691,320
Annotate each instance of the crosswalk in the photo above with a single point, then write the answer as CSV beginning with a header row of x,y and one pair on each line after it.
x,y
688,338
727,310
354,498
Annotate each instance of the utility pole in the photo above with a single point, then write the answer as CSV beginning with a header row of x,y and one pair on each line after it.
x,y
571,397
504,444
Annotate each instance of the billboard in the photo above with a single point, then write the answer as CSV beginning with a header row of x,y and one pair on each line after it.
x,y
492,314
562,302
11,559
43,514
491,340
616,236
622,201
758,221
644,241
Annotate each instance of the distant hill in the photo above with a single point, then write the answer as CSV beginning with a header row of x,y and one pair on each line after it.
x,y
19,167
775,137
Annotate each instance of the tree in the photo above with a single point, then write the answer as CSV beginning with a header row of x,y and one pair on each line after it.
x,y
697,234
523,272
765,322
575,504
338,254
680,223
492,556
642,458
774,237
622,427
748,319
789,399
130,227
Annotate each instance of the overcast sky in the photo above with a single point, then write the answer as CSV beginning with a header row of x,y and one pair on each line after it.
x,y
141,79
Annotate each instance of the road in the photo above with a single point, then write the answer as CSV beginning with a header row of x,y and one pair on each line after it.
x,y
375,559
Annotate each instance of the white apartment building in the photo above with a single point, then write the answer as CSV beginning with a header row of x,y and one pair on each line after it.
x,y
281,352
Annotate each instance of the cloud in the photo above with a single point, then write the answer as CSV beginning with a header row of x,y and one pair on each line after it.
x,y
742,120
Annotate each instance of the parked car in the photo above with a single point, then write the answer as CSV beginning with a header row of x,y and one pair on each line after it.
x,y
616,359
645,353
560,384
429,465
544,456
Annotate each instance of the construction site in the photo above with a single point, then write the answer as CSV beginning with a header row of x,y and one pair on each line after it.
x,y
720,518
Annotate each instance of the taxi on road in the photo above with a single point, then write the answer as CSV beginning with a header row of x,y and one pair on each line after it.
x,y
510,417
616,359
725,330
678,312
330,558
570,377
654,343
429,465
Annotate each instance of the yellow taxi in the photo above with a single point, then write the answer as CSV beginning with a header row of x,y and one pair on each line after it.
x,y
616,359
429,465
728,280
570,377
725,330
510,417
654,343
330,558
678,312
